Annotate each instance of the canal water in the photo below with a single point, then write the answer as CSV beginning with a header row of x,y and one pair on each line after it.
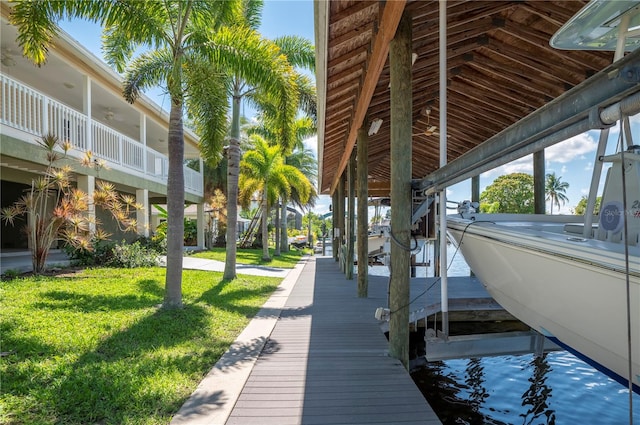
x,y
555,389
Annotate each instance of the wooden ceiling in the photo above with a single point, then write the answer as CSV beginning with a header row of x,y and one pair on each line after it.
x,y
500,68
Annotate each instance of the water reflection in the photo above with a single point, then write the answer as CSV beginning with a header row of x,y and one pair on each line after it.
x,y
553,389
537,394
456,401
474,380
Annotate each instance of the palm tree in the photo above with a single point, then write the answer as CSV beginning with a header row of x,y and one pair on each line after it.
x,y
187,40
301,158
264,170
555,190
304,160
278,83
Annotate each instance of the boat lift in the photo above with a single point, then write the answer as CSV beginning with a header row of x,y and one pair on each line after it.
x,y
596,104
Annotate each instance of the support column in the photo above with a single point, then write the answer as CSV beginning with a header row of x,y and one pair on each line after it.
x,y
363,210
539,177
87,184
143,139
334,225
401,105
351,204
142,216
200,225
339,210
86,109
475,189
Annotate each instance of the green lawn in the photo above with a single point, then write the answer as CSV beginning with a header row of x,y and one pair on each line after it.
x,y
286,260
93,347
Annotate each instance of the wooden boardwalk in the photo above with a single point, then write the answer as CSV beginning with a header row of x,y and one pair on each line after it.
x,y
325,362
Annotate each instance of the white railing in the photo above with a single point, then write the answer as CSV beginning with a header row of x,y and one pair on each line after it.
x,y
32,112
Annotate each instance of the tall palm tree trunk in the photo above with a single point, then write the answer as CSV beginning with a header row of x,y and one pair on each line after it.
x,y
265,226
284,237
276,228
233,172
175,208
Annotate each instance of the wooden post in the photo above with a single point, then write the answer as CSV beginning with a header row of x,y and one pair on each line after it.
x,y
334,225
401,104
351,205
539,177
363,211
340,212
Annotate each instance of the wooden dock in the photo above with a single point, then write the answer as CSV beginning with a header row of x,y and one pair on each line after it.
x,y
468,300
324,362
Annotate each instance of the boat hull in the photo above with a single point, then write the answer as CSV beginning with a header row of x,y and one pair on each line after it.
x,y
578,301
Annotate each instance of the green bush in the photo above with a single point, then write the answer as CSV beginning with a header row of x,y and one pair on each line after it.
x,y
133,255
156,242
99,254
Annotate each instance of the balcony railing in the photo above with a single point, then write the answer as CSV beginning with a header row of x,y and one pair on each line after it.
x,y
32,112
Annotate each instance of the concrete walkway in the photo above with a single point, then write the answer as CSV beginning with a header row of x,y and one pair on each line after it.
x,y
194,263
314,354
21,262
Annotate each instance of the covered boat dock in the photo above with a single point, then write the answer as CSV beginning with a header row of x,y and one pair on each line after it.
x,y
415,96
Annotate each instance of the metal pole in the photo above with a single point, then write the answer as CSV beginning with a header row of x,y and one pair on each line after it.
x,y
538,183
444,286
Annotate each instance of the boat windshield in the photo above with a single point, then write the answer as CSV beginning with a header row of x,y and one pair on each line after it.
x,y
597,26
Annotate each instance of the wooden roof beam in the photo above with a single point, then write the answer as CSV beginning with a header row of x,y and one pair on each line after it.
x,y
391,15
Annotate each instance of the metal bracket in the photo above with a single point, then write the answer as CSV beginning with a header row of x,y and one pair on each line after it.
x,y
631,74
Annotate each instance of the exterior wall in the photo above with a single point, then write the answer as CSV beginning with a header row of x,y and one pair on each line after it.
x,y
76,97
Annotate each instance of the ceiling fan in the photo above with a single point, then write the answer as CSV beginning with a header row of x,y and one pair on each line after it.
x,y
431,130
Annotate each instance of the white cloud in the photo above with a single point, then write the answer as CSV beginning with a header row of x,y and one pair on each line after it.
x,y
522,165
571,149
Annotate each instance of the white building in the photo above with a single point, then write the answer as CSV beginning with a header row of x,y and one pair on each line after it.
x,y
77,97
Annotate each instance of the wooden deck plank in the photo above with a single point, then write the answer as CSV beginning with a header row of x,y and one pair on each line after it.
x,y
325,361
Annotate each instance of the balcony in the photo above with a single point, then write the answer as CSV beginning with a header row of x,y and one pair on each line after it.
x,y
26,112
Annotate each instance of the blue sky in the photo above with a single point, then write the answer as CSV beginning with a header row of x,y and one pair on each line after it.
x,y
572,159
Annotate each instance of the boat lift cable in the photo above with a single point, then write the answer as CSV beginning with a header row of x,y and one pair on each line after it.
x,y
448,267
401,245
627,267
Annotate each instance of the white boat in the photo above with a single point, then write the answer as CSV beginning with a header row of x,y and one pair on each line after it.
x,y
580,288
378,240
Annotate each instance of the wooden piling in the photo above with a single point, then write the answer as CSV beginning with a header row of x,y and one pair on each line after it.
x,y
363,210
401,105
351,206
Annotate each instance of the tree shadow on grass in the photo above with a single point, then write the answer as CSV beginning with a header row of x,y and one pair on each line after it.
x,y
126,374
151,286
230,300
131,374
65,300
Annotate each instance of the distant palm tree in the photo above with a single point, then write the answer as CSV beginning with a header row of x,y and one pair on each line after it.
x,y
278,83
295,154
555,190
264,170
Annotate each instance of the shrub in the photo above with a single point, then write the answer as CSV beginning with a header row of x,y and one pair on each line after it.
x,y
158,244
133,255
98,254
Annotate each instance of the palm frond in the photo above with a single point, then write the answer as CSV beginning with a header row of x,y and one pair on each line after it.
x,y
298,50
147,70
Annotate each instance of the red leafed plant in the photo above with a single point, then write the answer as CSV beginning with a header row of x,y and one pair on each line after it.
x,y
56,210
